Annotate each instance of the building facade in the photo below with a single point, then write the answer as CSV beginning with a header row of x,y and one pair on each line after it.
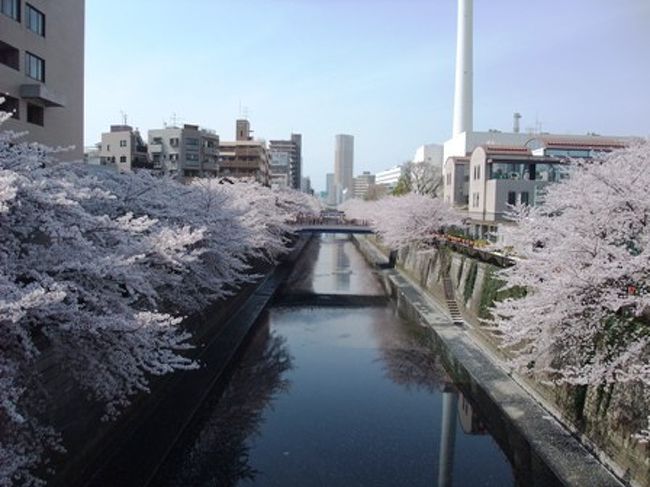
x,y
456,182
291,150
245,157
42,71
344,165
389,178
123,149
362,184
503,176
429,153
188,151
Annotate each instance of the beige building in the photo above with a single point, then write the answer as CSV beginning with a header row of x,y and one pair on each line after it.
x,y
188,151
500,176
42,70
455,176
123,149
245,157
362,183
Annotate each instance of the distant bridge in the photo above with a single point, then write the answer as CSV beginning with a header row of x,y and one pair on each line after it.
x,y
331,228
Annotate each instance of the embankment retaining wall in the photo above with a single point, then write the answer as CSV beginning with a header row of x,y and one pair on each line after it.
x,y
605,419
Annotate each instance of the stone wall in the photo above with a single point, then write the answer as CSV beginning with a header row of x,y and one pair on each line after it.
x,y
604,418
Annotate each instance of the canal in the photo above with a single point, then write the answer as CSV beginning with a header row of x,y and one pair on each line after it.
x,y
344,393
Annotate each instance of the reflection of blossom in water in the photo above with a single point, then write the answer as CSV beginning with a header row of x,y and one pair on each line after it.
x,y
411,357
219,451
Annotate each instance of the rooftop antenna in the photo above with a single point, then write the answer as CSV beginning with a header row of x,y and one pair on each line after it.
x,y
174,120
124,117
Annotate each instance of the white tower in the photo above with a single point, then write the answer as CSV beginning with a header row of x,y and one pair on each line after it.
x,y
464,98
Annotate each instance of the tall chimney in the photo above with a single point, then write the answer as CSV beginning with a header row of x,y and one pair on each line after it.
x,y
515,123
464,99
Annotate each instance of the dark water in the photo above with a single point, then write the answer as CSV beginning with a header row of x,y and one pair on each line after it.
x,y
340,397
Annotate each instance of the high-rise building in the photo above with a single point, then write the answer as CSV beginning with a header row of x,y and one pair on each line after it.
x,y
293,149
187,151
42,71
330,189
123,149
344,164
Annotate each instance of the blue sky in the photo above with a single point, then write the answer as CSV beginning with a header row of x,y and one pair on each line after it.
x,y
381,70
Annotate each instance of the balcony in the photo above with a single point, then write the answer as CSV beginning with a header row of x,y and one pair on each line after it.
x,y
39,93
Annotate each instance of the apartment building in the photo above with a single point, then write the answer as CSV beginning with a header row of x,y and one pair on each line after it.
x,y
245,157
362,183
42,71
124,149
187,152
292,150
500,176
280,166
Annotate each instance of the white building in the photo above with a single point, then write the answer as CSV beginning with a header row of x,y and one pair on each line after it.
x,y
123,149
187,151
429,153
389,178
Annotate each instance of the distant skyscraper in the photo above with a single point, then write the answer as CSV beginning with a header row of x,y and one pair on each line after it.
x,y
330,189
344,164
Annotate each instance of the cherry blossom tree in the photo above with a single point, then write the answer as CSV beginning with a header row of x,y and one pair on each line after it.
x,y
421,178
584,261
97,270
412,219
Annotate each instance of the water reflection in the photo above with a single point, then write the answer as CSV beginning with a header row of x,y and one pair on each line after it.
x,y
215,450
370,402
332,265
341,271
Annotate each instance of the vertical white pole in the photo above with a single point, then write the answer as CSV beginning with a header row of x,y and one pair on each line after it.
x,y
464,98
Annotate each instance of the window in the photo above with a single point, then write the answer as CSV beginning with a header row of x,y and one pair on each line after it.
x,y
512,198
192,142
478,172
122,143
10,105
108,147
35,20
192,157
35,114
173,142
524,198
11,8
123,159
9,55
34,67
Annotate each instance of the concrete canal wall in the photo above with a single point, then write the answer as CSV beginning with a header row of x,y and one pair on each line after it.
x,y
603,421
